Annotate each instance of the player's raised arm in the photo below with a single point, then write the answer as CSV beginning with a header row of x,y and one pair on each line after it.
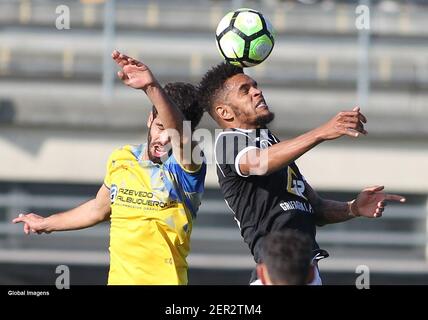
x,y
265,161
86,215
138,76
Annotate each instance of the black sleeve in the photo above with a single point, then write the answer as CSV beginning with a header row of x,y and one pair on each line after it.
x,y
230,147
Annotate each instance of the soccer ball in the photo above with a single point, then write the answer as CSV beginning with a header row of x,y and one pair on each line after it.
x,y
245,37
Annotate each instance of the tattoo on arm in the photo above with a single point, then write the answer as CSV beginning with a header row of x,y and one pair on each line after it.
x,y
330,211
327,211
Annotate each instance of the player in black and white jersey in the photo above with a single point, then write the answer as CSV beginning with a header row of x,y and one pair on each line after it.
x,y
258,177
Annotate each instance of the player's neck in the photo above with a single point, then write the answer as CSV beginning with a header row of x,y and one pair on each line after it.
x,y
241,125
146,153
246,127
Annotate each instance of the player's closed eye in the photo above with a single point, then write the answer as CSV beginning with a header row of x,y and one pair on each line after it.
x,y
244,89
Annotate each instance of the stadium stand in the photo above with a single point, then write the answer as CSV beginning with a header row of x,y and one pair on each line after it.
x,y
57,129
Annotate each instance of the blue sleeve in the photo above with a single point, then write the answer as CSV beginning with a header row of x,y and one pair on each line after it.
x,y
191,184
190,181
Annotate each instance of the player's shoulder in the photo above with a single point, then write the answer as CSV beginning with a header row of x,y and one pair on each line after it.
x,y
127,152
172,164
231,133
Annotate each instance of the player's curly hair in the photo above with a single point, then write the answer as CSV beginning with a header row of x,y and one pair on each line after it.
x,y
212,84
185,97
287,256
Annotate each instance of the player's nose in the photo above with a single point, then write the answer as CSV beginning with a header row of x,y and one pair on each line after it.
x,y
256,91
164,137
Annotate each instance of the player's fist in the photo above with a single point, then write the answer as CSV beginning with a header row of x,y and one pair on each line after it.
x,y
350,123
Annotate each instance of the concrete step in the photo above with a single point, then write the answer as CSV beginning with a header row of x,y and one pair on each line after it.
x,y
402,19
306,61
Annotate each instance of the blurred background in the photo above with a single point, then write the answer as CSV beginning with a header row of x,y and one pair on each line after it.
x,y
62,112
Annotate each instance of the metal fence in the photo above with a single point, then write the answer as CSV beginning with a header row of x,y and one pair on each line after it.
x,y
400,237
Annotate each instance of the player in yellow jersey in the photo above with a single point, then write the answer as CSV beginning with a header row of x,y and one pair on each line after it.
x,y
151,192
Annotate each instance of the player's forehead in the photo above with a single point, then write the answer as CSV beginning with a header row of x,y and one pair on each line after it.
x,y
235,82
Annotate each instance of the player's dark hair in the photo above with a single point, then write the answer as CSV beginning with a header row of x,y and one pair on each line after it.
x,y
185,97
212,84
287,256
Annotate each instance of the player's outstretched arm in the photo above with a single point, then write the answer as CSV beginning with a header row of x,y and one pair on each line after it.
x,y
266,161
370,203
86,215
138,76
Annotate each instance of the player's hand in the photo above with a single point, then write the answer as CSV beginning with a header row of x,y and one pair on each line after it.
x,y
32,223
350,123
371,202
134,73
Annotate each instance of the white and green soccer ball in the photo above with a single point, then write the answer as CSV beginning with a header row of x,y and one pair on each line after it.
x,y
245,37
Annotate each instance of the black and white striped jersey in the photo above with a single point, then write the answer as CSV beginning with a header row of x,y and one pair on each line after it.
x,y
261,203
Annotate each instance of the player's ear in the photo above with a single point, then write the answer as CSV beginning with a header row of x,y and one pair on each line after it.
x,y
150,119
262,273
224,112
311,274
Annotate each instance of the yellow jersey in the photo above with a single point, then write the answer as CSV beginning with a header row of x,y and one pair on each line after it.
x,y
152,208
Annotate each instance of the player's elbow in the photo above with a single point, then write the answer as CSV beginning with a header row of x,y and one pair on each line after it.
x,y
104,215
100,213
